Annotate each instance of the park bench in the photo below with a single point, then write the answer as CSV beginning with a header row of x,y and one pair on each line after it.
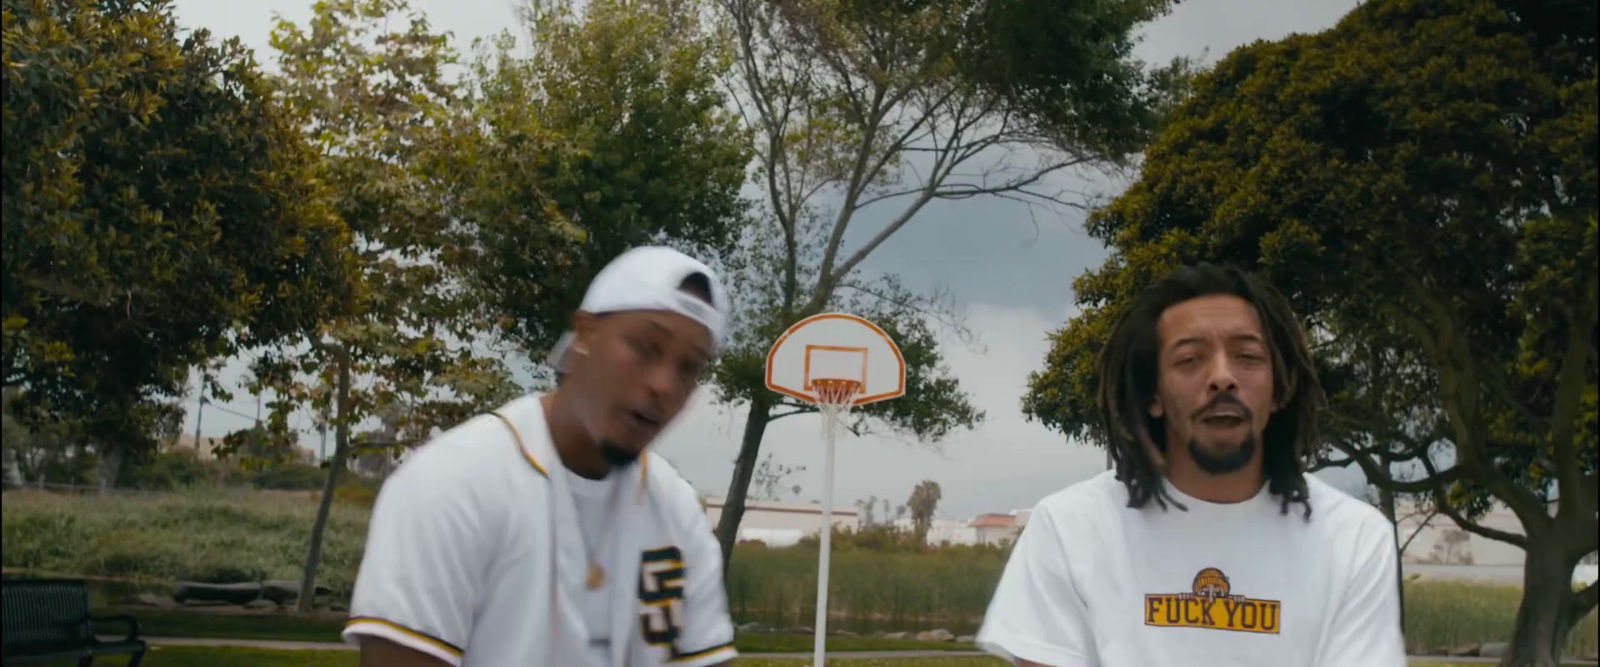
x,y
47,620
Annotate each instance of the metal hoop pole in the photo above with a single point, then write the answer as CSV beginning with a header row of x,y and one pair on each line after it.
x,y
830,426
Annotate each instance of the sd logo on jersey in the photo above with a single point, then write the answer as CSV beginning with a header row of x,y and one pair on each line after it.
x,y
661,590
1212,605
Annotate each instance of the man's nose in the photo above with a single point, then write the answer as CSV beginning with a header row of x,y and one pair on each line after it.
x,y
660,380
1222,377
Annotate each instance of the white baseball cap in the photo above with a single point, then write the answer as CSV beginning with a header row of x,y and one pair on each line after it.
x,y
650,278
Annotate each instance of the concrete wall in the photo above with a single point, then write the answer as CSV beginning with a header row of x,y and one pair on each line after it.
x,y
996,535
765,516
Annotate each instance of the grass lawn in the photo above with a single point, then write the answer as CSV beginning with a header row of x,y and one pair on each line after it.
x,y
186,656
285,627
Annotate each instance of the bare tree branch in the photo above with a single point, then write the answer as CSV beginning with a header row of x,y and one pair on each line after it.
x,y
1418,530
1442,504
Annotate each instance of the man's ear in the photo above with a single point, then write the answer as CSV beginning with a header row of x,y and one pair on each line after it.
x,y
1157,409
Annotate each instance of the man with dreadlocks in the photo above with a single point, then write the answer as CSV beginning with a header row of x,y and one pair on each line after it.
x,y
1202,547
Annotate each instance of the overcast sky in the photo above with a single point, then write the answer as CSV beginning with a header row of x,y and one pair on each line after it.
x,y
1014,278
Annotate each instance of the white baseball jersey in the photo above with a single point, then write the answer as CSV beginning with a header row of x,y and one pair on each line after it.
x,y
474,555
1092,582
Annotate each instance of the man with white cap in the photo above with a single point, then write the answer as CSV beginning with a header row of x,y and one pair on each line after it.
x,y
543,533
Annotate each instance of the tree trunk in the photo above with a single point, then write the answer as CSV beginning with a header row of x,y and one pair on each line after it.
x,y
111,459
341,440
1544,617
755,426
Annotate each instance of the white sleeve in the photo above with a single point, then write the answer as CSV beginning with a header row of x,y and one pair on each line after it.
x,y
1365,630
426,554
1036,613
707,635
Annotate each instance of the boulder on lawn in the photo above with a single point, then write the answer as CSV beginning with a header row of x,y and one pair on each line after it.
x,y
155,600
284,591
1494,650
752,626
186,591
940,635
262,603
1463,651
879,634
897,635
966,639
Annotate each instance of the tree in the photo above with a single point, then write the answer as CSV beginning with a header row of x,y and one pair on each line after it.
x,y
611,134
1420,181
922,503
866,110
386,121
769,478
160,209
1452,548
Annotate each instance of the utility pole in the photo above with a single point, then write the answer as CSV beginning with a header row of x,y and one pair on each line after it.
x,y
199,412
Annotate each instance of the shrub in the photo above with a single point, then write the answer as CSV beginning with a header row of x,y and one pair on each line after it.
x,y
170,470
290,477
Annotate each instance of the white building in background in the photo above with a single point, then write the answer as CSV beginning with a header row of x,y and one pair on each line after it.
x,y
995,529
942,531
781,524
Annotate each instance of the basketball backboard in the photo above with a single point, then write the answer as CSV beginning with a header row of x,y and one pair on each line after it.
x,y
836,346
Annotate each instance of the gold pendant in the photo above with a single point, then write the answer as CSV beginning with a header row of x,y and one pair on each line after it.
x,y
597,576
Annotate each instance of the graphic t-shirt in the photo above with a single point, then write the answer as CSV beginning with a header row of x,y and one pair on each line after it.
x,y
1092,582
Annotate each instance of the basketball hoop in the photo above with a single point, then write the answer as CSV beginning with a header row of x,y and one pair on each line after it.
x,y
834,361
834,399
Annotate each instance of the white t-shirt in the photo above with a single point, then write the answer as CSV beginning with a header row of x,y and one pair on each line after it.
x,y
1092,582
594,501
474,556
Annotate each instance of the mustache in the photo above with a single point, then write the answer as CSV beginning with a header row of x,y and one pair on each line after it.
x,y
1229,399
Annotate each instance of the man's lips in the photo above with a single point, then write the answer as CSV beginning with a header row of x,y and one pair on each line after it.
x,y
646,419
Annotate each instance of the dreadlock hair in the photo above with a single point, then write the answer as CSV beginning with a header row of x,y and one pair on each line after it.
x,y
1128,373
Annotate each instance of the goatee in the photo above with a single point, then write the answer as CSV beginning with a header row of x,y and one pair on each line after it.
x,y
1226,462
616,455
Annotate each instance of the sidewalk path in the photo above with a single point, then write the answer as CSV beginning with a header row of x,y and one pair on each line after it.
x,y
337,646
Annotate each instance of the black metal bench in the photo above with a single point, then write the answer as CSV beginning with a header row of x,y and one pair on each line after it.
x,y
48,620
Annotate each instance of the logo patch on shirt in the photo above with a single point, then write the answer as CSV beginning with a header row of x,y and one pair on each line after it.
x,y
661,576
1212,605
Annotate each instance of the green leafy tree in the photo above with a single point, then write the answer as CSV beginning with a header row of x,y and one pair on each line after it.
x,y
367,79
160,209
1420,181
924,501
866,111
611,133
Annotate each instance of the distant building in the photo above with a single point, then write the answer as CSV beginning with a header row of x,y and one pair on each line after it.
x,y
781,523
996,529
206,451
943,531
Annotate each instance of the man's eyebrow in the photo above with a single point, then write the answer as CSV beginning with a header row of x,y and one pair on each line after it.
x,y
1243,336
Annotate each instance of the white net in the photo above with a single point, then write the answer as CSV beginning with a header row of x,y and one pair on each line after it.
x,y
834,399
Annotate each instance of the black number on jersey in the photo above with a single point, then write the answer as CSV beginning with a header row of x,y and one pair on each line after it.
x,y
661,591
